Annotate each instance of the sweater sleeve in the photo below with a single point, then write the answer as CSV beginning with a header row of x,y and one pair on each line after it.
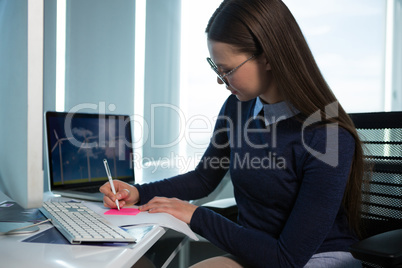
x,y
204,179
311,219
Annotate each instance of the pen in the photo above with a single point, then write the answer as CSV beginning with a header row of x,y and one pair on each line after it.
x,y
109,176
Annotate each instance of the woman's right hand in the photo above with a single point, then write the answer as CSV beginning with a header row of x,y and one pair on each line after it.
x,y
126,194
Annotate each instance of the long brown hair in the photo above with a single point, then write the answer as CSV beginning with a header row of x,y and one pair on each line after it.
x,y
267,28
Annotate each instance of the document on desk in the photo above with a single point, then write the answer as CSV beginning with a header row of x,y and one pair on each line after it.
x,y
161,219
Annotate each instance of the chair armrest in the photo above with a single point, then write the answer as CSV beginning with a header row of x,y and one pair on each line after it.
x,y
226,207
384,249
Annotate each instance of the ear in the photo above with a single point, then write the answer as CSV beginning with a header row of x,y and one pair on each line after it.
x,y
267,65
264,63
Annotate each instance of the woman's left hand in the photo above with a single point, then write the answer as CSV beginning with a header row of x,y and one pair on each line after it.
x,y
180,209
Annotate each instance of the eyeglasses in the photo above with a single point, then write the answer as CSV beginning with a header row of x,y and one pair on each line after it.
x,y
222,76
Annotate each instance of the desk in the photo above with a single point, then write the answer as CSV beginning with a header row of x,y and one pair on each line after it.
x,y
15,253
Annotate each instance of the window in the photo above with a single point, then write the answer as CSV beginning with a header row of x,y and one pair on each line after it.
x,y
201,97
347,39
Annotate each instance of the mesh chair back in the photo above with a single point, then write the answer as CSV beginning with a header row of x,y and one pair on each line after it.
x,y
381,134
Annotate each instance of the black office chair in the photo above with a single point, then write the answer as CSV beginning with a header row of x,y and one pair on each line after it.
x,y
381,214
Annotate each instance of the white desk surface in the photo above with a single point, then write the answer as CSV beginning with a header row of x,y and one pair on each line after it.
x,y
15,253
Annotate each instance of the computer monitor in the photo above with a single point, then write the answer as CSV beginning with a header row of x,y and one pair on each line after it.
x,y
77,144
21,109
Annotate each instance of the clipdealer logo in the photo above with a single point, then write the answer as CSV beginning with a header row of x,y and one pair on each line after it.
x,y
331,155
245,161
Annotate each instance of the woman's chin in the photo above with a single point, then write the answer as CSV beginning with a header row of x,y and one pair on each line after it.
x,y
242,98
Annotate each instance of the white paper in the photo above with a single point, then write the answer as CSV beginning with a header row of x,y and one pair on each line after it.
x,y
161,219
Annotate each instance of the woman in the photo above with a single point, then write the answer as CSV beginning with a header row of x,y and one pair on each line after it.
x,y
293,153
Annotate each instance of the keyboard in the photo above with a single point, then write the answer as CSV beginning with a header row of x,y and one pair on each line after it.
x,y
79,224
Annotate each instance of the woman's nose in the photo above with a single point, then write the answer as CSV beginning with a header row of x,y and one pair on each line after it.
x,y
220,82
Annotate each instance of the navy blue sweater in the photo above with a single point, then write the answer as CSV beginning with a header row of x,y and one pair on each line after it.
x,y
288,178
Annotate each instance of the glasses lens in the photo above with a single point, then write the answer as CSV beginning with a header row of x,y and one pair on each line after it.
x,y
223,80
215,68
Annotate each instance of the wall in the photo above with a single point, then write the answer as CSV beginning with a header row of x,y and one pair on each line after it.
x,y
100,54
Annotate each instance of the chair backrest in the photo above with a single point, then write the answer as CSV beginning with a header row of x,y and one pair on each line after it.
x,y
381,133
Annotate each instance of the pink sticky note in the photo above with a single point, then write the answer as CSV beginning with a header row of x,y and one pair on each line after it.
x,y
123,211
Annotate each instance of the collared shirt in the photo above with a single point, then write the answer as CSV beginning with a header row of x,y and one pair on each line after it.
x,y
274,113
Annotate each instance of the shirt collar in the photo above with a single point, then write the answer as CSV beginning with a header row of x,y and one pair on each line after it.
x,y
274,113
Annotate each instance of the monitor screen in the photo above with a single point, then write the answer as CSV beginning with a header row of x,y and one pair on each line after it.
x,y
77,143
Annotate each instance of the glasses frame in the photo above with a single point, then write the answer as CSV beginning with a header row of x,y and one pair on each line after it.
x,y
214,67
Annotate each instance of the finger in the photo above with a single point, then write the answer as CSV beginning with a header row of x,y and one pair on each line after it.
x,y
161,204
123,194
105,188
107,202
107,191
154,202
122,203
158,207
